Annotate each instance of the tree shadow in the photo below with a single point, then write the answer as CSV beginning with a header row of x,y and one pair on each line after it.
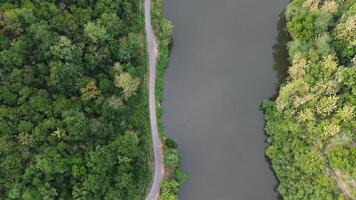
x,y
280,51
280,66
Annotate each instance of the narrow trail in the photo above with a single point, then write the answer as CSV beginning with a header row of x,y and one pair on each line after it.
x,y
158,166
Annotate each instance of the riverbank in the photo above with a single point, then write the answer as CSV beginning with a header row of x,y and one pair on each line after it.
x,y
310,125
173,175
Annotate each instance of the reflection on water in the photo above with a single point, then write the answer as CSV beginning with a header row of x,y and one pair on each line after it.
x,y
280,63
220,71
280,51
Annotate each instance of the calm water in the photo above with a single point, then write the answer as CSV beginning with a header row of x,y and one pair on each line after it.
x,y
221,68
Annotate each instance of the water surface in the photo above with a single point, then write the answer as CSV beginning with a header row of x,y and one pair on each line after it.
x,y
221,68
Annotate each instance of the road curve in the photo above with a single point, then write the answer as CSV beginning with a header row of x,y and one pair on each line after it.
x,y
158,166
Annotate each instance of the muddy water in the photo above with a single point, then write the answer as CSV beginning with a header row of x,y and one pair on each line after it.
x,y
221,68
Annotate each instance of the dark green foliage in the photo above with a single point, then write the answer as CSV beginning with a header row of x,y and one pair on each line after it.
x,y
65,131
180,176
170,143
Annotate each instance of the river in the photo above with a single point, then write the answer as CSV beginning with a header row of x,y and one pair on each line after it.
x,y
221,68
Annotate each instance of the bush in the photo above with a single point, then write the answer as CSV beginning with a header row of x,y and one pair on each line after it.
x,y
170,143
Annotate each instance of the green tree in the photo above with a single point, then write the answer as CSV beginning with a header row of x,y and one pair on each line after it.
x,y
310,124
128,84
169,190
90,91
171,158
95,32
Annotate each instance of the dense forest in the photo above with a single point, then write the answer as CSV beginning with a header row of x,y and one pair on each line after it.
x,y
73,106
311,124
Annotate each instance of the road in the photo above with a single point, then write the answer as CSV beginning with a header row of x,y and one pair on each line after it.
x,y
158,166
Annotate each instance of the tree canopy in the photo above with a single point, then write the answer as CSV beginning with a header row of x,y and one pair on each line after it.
x,y
66,130
311,123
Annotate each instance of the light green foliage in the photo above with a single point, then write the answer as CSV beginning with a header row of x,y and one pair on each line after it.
x,y
347,30
299,66
64,50
59,133
127,83
306,115
329,129
326,105
311,124
347,113
345,33
289,92
169,190
329,63
171,158
95,32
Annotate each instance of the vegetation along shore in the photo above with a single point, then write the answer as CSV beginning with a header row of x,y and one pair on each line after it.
x,y
311,123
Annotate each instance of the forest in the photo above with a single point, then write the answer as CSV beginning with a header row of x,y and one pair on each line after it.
x,y
73,105
311,123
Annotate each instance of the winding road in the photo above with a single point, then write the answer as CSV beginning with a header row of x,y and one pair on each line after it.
x,y
158,166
